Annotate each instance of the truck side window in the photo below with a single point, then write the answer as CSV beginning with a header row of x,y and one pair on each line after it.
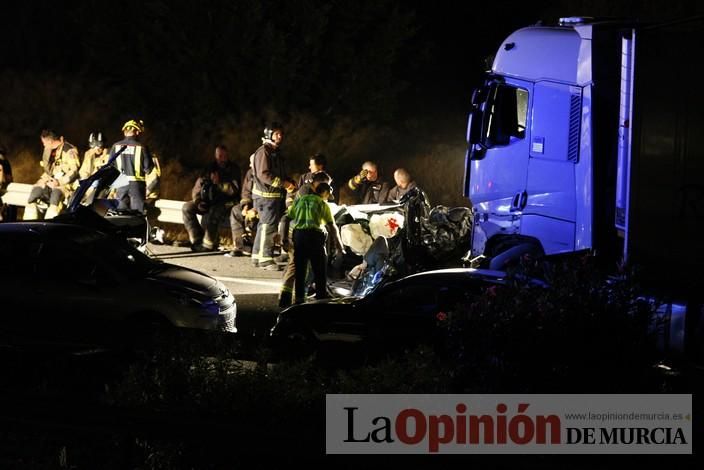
x,y
508,107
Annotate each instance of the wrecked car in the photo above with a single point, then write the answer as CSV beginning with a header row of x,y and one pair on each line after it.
x,y
389,242
401,313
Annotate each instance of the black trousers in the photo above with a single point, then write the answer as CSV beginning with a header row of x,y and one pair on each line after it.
x,y
309,246
132,196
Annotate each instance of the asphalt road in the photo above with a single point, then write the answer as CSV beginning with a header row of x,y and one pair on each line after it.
x,y
256,290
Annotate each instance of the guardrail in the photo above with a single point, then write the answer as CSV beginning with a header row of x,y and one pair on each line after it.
x,y
17,194
168,210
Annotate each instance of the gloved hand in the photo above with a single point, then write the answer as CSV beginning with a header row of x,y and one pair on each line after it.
x,y
251,214
361,176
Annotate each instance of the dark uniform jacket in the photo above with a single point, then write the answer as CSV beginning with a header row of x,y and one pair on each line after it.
x,y
370,192
396,193
135,161
5,174
269,172
205,193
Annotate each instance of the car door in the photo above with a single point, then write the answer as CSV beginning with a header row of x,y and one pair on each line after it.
x,y
407,313
19,304
76,295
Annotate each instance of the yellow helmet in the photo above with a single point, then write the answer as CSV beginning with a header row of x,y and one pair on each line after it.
x,y
137,125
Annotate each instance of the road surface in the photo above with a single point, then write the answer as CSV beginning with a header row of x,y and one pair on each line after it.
x,y
256,290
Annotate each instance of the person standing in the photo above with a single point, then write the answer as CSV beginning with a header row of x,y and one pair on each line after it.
x,y
285,228
268,193
60,162
134,162
214,194
308,215
367,186
95,157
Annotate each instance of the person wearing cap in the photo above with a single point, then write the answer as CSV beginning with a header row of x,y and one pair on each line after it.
x,y
269,195
95,157
60,162
134,162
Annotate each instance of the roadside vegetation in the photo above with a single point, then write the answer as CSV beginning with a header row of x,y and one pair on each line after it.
x,y
198,402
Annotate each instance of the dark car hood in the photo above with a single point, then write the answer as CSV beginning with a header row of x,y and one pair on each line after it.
x,y
176,276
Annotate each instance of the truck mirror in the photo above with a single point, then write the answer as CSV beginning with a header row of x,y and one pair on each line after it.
x,y
474,126
479,96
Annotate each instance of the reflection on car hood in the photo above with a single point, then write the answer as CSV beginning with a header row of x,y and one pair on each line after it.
x,y
172,275
336,301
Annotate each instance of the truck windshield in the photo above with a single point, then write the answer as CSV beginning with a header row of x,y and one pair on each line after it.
x,y
506,117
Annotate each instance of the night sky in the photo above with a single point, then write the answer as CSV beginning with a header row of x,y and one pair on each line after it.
x,y
387,80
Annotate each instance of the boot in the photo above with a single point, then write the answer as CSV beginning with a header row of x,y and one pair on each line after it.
x,y
52,212
30,212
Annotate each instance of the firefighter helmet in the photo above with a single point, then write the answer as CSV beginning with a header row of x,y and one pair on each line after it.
x,y
136,124
270,128
96,140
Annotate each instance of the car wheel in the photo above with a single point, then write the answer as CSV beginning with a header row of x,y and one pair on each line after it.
x,y
144,331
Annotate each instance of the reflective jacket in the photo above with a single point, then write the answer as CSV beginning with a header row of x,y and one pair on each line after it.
x,y
60,164
153,179
269,172
92,161
135,161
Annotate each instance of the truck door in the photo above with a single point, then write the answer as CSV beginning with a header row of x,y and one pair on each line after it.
x,y
497,159
549,202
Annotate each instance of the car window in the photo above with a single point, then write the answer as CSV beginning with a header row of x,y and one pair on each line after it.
x,y
62,260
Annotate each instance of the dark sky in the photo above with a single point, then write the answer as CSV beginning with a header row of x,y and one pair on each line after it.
x,y
191,69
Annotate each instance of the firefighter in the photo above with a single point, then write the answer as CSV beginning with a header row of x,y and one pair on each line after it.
x,y
214,194
317,163
95,157
367,186
60,162
242,215
135,162
153,180
6,212
268,194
